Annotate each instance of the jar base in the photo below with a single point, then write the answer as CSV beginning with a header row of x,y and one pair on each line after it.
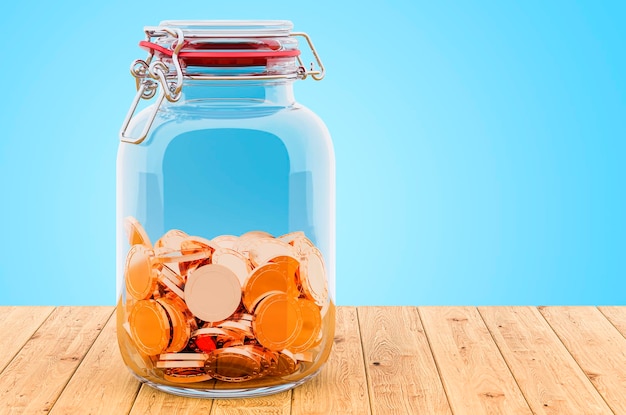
x,y
224,393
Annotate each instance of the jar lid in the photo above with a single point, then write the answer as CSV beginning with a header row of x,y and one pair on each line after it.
x,y
224,43
214,50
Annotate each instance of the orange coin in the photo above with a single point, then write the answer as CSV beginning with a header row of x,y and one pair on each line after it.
x,y
266,279
172,281
234,260
289,263
299,241
212,292
286,364
165,255
312,277
291,237
233,364
194,245
278,321
265,249
171,239
184,356
136,233
149,327
186,375
180,328
141,272
170,364
311,326
248,239
225,241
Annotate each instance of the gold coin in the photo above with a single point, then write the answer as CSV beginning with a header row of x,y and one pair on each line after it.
x,y
268,278
243,317
238,329
172,281
141,272
278,321
248,239
171,239
265,249
225,241
170,364
267,358
256,234
212,292
186,375
136,233
311,326
233,364
234,260
299,241
304,356
180,328
312,277
208,331
165,255
290,264
286,364
291,237
183,356
196,245
149,327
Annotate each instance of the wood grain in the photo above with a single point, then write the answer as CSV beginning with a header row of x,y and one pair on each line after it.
x,y
152,402
278,404
341,386
35,378
16,327
475,376
101,382
550,379
401,373
597,346
564,360
617,317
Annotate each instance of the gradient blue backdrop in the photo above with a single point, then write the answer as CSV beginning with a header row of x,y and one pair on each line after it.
x,y
480,145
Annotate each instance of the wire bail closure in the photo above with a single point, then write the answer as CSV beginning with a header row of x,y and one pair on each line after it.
x,y
150,75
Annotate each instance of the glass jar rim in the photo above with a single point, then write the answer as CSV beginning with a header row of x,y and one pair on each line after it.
x,y
231,28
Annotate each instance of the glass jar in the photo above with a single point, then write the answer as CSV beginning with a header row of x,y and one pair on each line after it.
x,y
225,214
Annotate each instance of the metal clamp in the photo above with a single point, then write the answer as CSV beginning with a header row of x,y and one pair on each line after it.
x,y
302,71
148,75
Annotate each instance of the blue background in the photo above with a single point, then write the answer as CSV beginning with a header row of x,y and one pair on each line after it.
x,y
480,145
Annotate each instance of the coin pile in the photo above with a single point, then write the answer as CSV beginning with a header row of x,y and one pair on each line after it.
x,y
230,308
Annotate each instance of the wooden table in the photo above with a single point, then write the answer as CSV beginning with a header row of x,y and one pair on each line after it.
x,y
386,360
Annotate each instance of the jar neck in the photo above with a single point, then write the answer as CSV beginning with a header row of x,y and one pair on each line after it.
x,y
271,92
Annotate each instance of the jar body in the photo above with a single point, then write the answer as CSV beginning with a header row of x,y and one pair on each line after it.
x,y
226,242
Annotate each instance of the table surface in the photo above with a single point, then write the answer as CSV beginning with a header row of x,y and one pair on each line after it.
x,y
385,360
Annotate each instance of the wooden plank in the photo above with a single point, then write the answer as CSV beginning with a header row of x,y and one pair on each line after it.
x,y
401,373
617,316
278,404
597,346
341,386
475,376
151,401
34,379
16,327
101,382
550,379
